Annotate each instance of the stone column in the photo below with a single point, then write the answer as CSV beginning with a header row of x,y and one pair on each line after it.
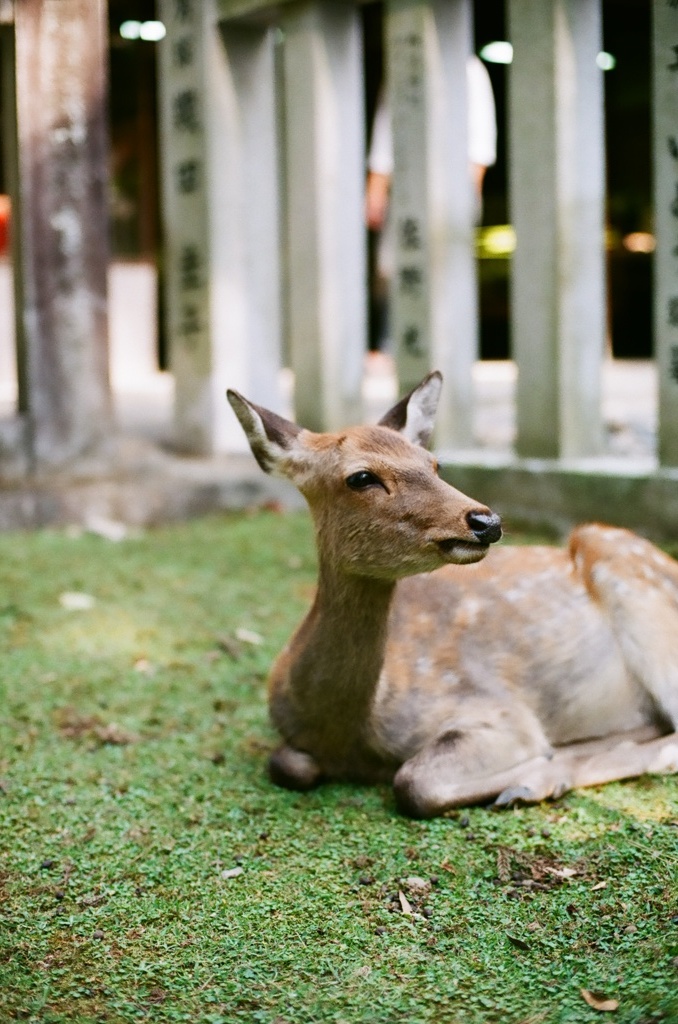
x,y
62,222
557,188
325,174
219,181
665,152
434,291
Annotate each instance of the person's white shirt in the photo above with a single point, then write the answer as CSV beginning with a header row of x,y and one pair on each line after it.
x,y
482,124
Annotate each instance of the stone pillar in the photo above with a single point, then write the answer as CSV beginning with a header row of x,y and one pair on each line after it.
x,y
11,367
557,188
325,175
62,224
665,152
218,132
434,291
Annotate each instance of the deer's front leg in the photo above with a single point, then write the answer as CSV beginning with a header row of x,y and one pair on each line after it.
x,y
474,761
430,784
426,794
293,769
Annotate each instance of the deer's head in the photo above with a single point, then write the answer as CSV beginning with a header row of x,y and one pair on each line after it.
x,y
379,506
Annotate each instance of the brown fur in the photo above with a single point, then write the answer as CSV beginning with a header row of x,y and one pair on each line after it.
x,y
461,682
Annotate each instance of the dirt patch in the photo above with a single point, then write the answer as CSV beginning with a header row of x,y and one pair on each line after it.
x,y
74,726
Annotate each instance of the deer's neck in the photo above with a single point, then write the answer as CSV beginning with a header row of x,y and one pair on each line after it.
x,y
340,649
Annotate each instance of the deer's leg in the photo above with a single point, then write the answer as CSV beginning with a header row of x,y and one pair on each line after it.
x,y
626,759
533,780
474,759
592,763
636,584
430,784
293,769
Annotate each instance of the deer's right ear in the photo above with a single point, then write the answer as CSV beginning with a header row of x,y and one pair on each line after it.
x,y
270,436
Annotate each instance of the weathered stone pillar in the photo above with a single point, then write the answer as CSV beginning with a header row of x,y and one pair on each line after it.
x,y
219,166
434,292
557,188
13,345
325,174
61,102
665,103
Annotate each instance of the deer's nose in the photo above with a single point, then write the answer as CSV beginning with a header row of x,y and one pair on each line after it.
x,y
485,525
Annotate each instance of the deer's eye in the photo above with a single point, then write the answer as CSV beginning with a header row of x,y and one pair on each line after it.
x,y
362,479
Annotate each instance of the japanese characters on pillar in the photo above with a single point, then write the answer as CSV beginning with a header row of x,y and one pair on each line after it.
x,y
411,306
666,217
185,185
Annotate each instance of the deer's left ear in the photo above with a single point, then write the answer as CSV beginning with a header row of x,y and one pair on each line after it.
x,y
270,436
414,415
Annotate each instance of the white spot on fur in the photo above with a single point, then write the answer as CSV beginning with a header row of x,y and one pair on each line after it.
x,y
469,610
423,665
450,678
608,580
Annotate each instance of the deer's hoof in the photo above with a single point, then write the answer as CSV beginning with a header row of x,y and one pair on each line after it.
x,y
514,795
293,769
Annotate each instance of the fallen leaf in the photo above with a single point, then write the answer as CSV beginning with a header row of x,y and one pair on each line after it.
x,y
144,666
232,872
515,941
598,1001
93,900
598,885
248,636
114,735
109,529
75,601
405,904
503,864
562,872
419,884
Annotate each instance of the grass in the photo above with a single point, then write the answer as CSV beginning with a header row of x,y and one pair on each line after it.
x,y
133,739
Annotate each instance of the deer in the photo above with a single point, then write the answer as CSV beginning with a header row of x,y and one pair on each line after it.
x,y
460,672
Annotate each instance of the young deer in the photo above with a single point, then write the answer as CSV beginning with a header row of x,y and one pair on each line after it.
x,y
460,682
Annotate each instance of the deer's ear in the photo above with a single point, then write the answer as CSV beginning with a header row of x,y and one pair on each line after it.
x,y
414,415
270,436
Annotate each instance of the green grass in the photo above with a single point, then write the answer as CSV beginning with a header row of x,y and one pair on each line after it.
x,y
133,740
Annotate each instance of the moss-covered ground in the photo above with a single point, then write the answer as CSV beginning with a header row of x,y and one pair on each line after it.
x,y
150,872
